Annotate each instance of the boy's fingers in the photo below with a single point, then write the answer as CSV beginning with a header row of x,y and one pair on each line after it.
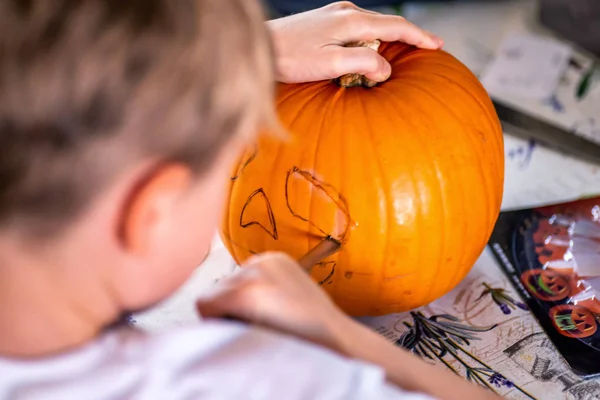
x,y
224,303
212,310
389,28
359,60
209,308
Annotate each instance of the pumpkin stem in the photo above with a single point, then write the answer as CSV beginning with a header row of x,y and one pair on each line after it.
x,y
351,80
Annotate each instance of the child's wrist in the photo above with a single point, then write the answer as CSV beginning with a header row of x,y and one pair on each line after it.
x,y
350,336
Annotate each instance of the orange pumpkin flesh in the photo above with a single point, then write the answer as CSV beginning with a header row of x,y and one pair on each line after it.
x,y
407,174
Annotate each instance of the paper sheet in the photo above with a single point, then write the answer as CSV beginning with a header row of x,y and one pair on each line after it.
x,y
535,175
527,66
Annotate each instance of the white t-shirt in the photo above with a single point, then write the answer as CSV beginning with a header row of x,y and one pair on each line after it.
x,y
213,360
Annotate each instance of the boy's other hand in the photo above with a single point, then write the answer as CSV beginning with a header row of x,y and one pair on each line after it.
x,y
273,291
310,46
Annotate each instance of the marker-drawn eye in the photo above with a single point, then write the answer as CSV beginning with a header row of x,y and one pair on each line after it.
x,y
257,211
304,192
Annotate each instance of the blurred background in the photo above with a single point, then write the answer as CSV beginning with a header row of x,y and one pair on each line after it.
x,y
284,7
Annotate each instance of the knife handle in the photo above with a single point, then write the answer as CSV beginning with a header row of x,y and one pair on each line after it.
x,y
322,250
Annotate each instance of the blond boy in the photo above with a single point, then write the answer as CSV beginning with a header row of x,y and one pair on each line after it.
x,y
119,122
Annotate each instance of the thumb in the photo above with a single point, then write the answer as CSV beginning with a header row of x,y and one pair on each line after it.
x,y
363,61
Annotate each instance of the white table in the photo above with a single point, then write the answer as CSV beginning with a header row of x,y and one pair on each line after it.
x,y
534,175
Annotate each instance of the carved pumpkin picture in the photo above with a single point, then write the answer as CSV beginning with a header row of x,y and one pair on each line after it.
x,y
408,175
573,321
546,284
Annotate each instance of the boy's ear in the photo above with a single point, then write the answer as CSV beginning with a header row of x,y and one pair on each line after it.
x,y
151,206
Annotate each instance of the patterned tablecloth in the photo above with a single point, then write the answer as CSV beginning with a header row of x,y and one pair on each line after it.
x,y
489,337
481,331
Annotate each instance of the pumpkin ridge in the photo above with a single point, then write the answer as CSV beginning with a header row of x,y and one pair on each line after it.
x,y
477,86
456,68
300,107
454,114
317,87
491,217
499,142
387,196
404,57
493,120
311,202
442,196
299,110
479,161
341,188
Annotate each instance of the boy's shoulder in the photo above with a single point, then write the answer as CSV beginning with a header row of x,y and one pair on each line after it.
x,y
214,360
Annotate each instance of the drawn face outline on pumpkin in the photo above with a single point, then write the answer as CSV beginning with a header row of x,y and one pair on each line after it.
x,y
342,235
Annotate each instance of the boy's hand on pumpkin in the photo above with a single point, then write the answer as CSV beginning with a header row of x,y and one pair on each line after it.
x,y
273,291
310,46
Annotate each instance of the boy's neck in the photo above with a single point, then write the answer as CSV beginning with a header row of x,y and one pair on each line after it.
x,y
41,316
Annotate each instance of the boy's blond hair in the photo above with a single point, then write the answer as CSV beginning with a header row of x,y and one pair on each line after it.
x,y
88,87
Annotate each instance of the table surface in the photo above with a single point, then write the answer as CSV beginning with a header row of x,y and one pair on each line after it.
x,y
516,349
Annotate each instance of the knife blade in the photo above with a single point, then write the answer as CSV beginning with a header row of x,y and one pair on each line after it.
x,y
519,124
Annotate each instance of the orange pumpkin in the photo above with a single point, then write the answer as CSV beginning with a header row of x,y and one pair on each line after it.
x,y
408,175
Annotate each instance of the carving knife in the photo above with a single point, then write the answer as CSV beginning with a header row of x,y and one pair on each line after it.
x,y
519,124
322,250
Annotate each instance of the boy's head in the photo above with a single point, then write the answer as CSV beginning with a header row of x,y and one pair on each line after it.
x,y
119,121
